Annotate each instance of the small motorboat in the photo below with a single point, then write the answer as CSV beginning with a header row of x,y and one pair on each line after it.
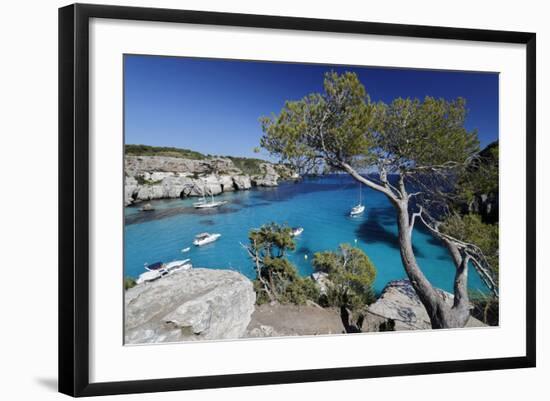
x,y
147,208
185,250
176,266
153,272
158,270
153,266
205,238
148,276
296,231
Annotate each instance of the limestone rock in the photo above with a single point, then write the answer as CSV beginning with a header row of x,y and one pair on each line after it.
x,y
322,281
150,192
197,304
130,189
133,165
270,177
226,182
241,182
400,304
158,177
212,185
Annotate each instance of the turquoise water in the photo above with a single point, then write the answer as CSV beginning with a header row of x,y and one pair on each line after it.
x,y
321,206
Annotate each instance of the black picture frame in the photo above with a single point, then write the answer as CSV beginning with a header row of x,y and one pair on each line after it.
x,y
74,198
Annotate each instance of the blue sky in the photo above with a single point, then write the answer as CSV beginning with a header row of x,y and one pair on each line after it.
x,y
213,106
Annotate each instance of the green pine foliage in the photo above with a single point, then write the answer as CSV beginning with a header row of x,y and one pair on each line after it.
x,y
351,275
342,125
249,166
469,228
277,280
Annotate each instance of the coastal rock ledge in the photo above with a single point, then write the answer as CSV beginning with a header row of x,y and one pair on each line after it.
x,y
400,305
197,304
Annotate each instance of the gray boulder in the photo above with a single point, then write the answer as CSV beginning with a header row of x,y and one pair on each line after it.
x,y
197,304
399,304
322,281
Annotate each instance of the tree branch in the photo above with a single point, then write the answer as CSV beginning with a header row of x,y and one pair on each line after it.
x,y
369,183
257,261
413,218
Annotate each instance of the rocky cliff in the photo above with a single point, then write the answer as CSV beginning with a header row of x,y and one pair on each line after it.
x,y
197,304
158,177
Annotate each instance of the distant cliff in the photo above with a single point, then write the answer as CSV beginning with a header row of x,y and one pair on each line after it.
x,y
157,177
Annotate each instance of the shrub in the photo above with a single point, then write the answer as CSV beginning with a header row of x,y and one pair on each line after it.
x,y
129,282
350,277
485,308
277,280
470,228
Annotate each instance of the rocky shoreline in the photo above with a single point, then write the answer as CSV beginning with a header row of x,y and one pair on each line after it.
x,y
212,304
161,177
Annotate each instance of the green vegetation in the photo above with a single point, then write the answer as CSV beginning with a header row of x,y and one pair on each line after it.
x,y
142,181
129,282
247,165
469,228
277,280
485,308
146,150
350,275
481,176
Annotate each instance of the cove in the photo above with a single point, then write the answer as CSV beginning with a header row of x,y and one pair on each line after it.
x,y
320,205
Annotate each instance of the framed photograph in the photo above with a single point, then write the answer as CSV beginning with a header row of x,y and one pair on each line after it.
x,y
249,199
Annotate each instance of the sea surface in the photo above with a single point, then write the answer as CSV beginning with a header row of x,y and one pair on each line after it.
x,y
319,205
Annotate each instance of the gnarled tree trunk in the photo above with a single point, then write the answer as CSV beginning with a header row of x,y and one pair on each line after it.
x,y
441,314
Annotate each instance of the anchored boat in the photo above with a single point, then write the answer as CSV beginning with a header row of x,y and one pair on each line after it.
x,y
157,270
205,238
203,203
359,208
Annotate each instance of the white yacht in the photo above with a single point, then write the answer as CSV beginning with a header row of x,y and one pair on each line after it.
x,y
205,238
359,208
177,265
157,270
297,231
148,276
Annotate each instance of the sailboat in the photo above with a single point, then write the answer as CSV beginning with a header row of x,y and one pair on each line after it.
x,y
204,204
359,208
